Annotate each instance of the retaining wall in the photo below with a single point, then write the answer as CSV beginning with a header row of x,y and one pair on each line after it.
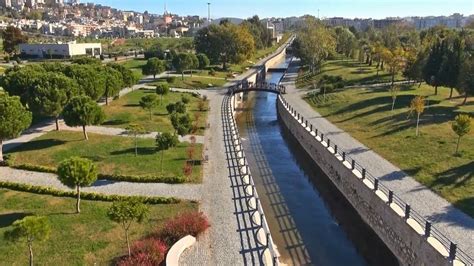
x,y
405,236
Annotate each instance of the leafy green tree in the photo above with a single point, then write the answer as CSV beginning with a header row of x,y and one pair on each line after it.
x,y
89,78
125,213
461,126
466,78
226,43
185,99
149,102
395,60
261,34
417,105
19,81
394,90
183,62
203,61
75,173
154,66
30,228
82,111
162,89
345,41
165,141
113,83
135,130
181,123
14,118
314,43
87,61
12,37
128,76
50,93
180,107
432,68
171,108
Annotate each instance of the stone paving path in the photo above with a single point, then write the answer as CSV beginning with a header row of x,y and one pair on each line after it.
x,y
455,224
182,191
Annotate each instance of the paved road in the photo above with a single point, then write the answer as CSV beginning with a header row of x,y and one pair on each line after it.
x,y
456,225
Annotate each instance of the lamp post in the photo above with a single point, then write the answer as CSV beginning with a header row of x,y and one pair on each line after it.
x,y
209,13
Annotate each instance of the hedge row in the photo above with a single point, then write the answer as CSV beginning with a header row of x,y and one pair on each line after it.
x,y
127,178
84,195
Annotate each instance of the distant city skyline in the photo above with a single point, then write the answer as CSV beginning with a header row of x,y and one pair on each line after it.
x,y
284,8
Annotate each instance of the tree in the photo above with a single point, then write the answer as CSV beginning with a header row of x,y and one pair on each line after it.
x,y
128,76
82,111
395,60
466,78
89,78
226,43
75,173
113,83
417,105
171,108
314,43
50,93
149,102
185,99
12,37
125,213
164,141
162,89
203,60
431,70
30,228
182,124
394,90
183,62
135,130
153,66
14,118
461,126
345,41
180,107
261,34
19,81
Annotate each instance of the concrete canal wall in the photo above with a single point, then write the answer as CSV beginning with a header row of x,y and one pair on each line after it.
x,y
405,236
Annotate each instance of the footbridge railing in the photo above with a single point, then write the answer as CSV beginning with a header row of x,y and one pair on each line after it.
x,y
268,253
259,86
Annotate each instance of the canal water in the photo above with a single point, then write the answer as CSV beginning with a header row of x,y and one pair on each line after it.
x,y
310,221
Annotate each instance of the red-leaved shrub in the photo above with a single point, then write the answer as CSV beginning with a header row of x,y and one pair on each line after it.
x,y
190,223
146,252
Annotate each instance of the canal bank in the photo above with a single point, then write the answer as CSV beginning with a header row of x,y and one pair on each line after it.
x,y
310,221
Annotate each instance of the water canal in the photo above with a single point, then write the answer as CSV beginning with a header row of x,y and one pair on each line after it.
x,y
310,221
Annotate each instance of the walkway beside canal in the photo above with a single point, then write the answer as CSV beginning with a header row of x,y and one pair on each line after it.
x,y
453,223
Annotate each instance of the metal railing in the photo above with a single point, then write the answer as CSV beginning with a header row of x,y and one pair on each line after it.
x,y
259,86
244,171
377,185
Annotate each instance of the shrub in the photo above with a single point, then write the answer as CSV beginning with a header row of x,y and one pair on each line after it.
x,y
185,99
149,251
84,195
170,79
190,223
6,58
339,85
212,72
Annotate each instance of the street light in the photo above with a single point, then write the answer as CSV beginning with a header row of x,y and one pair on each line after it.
x,y
209,13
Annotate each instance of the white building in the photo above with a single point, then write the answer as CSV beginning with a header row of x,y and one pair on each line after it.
x,y
60,50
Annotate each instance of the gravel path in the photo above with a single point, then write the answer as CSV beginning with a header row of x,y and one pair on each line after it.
x,y
182,191
456,225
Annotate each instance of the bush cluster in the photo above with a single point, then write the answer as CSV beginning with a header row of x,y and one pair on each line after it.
x,y
191,223
149,251
152,249
329,83
84,195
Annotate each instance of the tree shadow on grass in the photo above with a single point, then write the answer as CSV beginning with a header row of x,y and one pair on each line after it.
x,y
466,205
456,176
8,219
38,145
115,122
131,105
141,151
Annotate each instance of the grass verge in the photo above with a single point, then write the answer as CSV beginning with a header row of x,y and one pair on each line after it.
x,y
85,239
113,155
429,158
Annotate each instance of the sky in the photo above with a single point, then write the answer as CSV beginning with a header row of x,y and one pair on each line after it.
x,y
288,8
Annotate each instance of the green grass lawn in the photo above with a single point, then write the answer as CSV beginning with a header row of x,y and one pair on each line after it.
x,y
366,115
126,110
350,70
135,65
112,154
89,238
193,82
